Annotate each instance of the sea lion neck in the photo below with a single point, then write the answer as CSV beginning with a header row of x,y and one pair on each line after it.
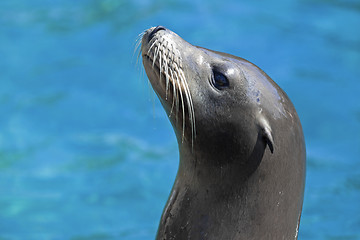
x,y
200,169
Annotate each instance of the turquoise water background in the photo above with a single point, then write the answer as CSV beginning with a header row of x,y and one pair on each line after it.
x,y
86,150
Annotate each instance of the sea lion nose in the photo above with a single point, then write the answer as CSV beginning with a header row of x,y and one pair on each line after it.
x,y
158,28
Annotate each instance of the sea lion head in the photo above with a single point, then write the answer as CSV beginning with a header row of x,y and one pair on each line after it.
x,y
214,100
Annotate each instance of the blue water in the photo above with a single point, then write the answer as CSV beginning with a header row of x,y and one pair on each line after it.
x,y
86,151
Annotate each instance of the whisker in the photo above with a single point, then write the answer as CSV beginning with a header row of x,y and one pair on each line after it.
x,y
173,99
191,110
177,100
137,47
139,39
160,61
172,77
155,56
178,79
166,64
152,45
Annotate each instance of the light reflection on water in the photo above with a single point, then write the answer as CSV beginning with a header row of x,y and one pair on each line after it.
x,y
84,154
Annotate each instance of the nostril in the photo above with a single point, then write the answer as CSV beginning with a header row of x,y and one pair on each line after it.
x,y
158,28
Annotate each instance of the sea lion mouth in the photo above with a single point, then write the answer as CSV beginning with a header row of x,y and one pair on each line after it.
x,y
159,50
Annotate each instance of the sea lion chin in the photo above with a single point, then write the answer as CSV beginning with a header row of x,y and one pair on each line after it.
x,y
242,151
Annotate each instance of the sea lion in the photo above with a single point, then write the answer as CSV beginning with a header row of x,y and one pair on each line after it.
x,y
242,152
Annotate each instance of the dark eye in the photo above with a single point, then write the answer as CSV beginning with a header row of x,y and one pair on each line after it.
x,y
219,80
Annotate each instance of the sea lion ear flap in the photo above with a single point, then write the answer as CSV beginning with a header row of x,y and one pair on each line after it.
x,y
266,133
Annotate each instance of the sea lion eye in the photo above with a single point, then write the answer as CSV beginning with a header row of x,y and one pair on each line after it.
x,y
220,81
